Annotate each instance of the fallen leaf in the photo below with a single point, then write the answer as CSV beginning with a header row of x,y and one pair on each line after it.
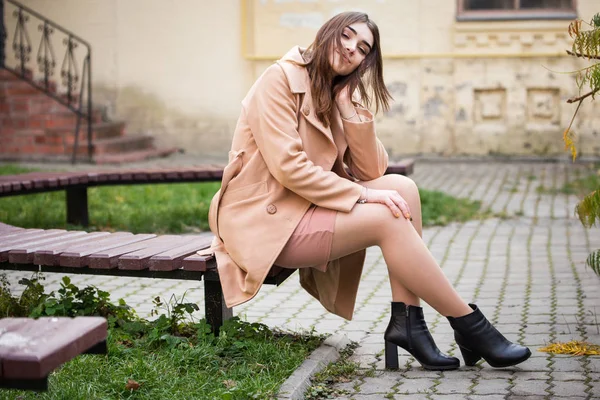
x,y
132,385
229,383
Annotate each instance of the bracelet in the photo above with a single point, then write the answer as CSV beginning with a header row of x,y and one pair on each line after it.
x,y
350,117
363,201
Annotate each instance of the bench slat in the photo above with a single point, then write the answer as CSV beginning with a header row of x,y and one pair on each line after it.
x,y
76,256
32,348
5,229
173,258
24,255
139,259
109,258
27,238
10,236
49,255
196,262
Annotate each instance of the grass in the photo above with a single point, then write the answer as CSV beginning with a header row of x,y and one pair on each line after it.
x,y
159,208
226,367
171,357
169,208
438,208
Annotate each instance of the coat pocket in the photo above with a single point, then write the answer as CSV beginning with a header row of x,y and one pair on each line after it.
x,y
247,192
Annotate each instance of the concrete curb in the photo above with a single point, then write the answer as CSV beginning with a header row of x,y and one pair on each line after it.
x,y
329,351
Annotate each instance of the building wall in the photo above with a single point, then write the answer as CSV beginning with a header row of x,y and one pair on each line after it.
x,y
179,70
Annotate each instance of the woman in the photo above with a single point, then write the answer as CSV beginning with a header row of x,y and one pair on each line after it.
x,y
286,198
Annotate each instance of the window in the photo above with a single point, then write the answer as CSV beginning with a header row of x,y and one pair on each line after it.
x,y
469,10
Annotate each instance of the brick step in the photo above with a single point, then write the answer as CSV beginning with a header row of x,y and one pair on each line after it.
x,y
38,104
16,88
32,142
100,130
63,120
133,156
60,153
123,144
6,75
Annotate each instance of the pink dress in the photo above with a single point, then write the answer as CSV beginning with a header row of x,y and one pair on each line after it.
x,y
310,244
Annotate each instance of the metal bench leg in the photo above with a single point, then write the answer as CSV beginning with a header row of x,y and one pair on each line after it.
x,y
98,348
77,206
215,308
38,385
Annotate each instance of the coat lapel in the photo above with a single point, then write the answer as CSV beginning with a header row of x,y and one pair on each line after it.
x,y
307,109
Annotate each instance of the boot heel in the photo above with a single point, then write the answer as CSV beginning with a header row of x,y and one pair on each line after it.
x,y
470,357
391,355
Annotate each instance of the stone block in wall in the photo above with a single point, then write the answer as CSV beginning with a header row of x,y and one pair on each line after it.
x,y
543,106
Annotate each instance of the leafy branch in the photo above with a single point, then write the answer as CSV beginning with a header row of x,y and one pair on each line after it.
x,y
586,45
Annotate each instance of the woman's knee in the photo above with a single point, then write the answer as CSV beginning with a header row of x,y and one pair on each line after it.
x,y
381,223
402,184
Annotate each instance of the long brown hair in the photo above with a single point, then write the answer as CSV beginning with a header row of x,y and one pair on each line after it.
x,y
325,85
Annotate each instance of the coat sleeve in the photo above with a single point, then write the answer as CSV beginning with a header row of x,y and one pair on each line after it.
x,y
366,156
271,112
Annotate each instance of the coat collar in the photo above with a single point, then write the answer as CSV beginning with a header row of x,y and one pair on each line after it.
x,y
298,76
299,82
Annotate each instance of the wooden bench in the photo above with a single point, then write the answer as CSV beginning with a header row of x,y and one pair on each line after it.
x,y
121,253
75,184
30,349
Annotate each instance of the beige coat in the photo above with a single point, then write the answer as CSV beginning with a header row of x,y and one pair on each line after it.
x,y
282,160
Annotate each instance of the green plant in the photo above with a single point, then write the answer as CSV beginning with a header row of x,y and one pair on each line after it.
x,y
172,327
22,306
343,370
586,45
72,301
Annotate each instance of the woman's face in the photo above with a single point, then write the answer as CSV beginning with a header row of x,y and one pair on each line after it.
x,y
357,42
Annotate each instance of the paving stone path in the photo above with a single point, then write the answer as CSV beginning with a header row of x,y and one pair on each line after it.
x,y
524,267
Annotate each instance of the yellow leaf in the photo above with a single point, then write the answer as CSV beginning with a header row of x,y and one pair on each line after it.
x,y
568,137
574,347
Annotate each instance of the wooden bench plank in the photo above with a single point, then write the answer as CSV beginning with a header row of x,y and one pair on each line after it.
x,y
5,229
139,259
26,238
10,236
76,256
24,254
32,348
109,258
173,258
197,262
49,255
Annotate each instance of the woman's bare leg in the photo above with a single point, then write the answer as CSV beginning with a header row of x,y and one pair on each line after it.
x,y
405,186
413,271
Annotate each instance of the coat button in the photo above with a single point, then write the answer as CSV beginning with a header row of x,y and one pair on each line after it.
x,y
306,110
271,209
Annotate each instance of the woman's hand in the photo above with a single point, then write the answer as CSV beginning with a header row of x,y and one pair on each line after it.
x,y
343,101
390,198
344,97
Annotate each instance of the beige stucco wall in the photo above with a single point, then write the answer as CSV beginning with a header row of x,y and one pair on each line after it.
x,y
179,70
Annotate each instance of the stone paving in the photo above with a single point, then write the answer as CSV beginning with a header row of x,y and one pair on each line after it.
x,y
524,267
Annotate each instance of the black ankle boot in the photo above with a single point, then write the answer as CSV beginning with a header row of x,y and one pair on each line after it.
x,y
477,338
408,330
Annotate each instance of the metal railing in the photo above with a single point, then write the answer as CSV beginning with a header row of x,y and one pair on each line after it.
x,y
76,90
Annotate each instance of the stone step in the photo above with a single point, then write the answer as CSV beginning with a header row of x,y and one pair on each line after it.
x,y
133,156
100,130
123,144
